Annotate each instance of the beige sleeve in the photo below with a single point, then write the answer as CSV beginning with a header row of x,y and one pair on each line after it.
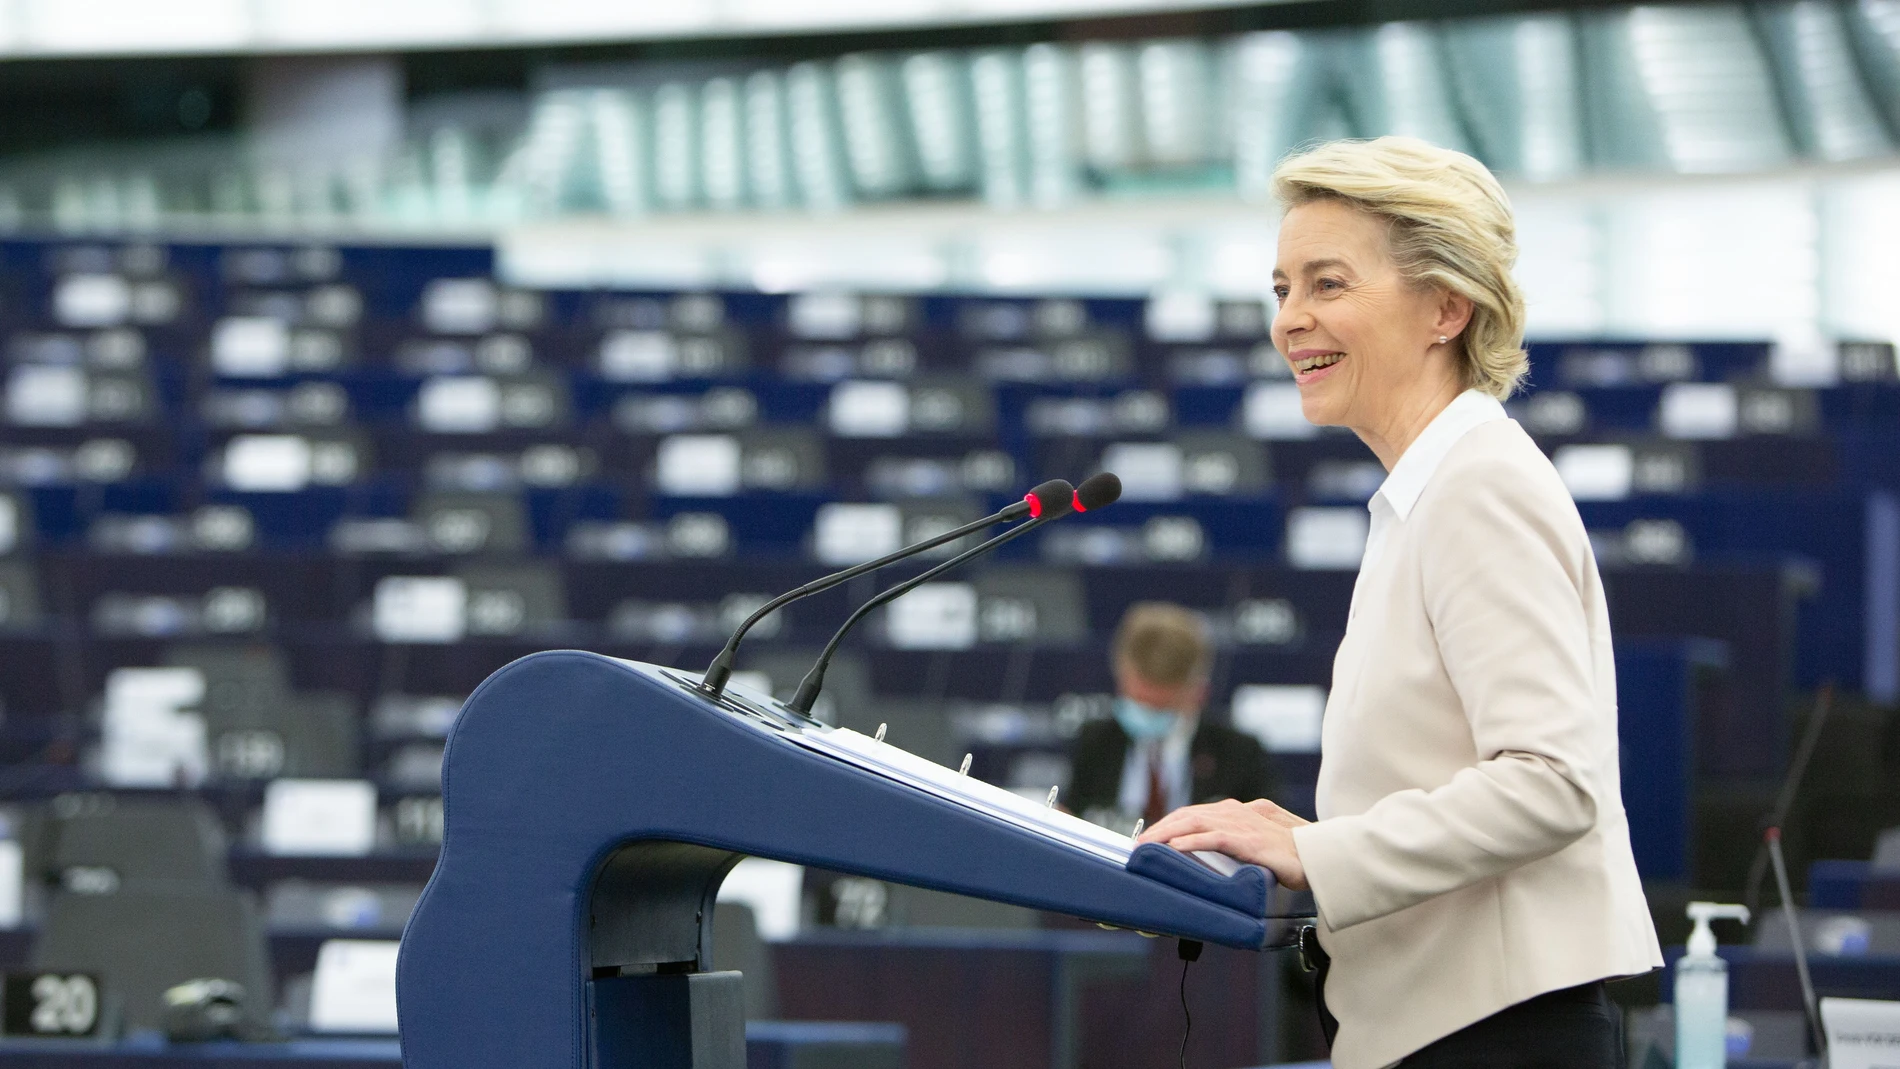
x,y
1501,568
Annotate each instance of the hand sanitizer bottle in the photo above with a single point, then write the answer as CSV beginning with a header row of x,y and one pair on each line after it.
x,y
1702,992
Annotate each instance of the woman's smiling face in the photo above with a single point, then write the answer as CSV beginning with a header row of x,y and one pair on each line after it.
x,y
1354,330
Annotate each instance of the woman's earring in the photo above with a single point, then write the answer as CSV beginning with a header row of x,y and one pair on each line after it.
x,y
1442,339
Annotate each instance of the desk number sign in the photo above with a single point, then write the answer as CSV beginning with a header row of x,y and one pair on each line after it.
x,y
51,1004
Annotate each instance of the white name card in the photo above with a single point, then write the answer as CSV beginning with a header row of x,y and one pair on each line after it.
x,y
460,305
638,356
149,738
318,817
40,395
934,616
354,989
1699,410
698,465
1150,471
1596,472
1861,1033
1272,410
1286,719
253,347
269,463
1326,537
459,404
12,883
847,533
419,608
869,409
92,300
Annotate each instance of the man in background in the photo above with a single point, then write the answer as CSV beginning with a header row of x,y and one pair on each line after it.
x,y
1157,754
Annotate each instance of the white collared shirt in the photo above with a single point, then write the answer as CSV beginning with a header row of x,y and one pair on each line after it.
x,y
1394,500
1175,774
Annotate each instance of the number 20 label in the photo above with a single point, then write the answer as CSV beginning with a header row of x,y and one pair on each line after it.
x,y
64,1005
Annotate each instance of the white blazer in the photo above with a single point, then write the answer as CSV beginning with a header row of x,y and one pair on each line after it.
x,y
1472,850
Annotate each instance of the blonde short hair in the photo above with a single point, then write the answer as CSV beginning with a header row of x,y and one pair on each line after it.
x,y
1163,644
1450,225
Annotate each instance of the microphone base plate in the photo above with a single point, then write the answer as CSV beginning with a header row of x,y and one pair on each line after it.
x,y
773,714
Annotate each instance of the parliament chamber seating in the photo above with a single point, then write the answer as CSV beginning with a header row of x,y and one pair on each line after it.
x,y
328,491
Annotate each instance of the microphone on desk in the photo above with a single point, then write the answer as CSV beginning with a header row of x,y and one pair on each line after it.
x,y
1035,503
1095,492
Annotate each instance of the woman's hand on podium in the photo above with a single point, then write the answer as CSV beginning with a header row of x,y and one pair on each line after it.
x,y
1258,832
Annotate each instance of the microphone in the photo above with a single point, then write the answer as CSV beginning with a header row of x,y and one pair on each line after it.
x,y
1034,504
1095,492
1102,488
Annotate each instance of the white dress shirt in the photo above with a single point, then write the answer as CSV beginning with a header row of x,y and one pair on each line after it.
x,y
1175,774
1399,492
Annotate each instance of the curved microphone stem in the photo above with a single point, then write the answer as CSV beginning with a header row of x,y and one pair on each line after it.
x,y
815,679
717,673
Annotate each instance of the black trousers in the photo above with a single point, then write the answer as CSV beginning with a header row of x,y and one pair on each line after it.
x,y
1576,1028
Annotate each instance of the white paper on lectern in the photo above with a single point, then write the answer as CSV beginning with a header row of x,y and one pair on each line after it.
x,y
893,763
1861,1033
354,989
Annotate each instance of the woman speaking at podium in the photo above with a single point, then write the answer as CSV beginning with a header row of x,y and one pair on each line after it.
x,y
1471,865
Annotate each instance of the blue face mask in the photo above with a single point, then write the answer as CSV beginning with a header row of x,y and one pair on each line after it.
x,y
1143,722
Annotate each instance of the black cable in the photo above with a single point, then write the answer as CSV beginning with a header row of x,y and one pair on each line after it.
x,y
1190,952
1187,1029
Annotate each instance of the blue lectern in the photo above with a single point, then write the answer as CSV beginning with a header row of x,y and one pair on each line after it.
x,y
594,805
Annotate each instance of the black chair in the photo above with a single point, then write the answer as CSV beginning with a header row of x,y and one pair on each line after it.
x,y
142,941
1030,604
457,522
19,594
103,844
507,599
258,728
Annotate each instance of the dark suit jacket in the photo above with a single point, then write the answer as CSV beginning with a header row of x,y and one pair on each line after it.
x,y
1225,763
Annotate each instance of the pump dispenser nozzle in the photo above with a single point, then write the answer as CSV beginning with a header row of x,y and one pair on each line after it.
x,y
1702,939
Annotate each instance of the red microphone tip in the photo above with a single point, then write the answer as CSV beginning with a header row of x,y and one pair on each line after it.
x,y
1078,505
1035,505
